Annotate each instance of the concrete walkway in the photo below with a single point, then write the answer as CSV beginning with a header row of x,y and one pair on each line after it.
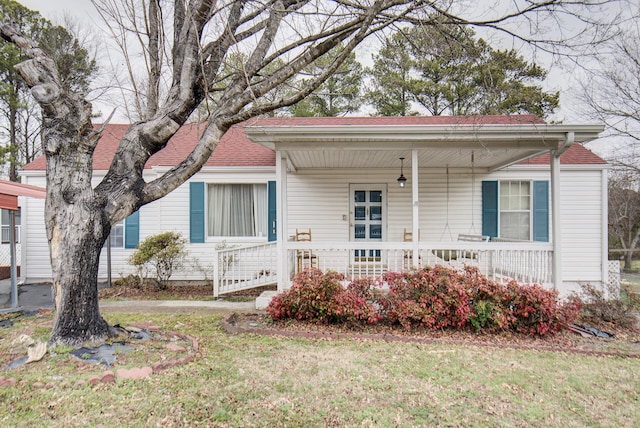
x,y
35,296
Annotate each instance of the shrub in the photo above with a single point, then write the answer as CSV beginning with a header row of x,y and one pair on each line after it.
x,y
433,298
597,306
161,253
537,311
131,281
490,302
321,297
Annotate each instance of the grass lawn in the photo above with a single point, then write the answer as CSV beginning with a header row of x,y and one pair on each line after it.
x,y
249,380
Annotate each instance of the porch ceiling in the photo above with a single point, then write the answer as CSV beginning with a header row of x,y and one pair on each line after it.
x,y
491,146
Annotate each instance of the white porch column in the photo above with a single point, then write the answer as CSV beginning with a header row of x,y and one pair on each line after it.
x,y
416,205
555,219
569,139
281,218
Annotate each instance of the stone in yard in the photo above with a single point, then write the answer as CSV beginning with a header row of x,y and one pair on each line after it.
x,y
108,377
175,348
134,373
263,300
36,352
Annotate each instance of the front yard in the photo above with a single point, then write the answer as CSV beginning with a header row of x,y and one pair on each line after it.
x,y
251,380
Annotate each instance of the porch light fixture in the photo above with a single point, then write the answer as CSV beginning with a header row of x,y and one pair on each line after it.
x,y
402,180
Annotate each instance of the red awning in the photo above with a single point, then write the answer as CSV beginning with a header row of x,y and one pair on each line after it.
x,y
9,192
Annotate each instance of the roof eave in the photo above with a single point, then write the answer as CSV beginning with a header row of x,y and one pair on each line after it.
x,y
410,136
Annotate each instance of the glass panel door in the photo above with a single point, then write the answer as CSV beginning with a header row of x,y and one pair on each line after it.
x,y
368,218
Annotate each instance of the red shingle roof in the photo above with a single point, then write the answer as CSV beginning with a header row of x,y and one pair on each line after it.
x,y
577,154
235,149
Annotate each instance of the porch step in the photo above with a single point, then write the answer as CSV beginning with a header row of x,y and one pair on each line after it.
x,y
263,300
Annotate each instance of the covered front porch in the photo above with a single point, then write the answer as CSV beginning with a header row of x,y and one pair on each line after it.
x,y
339,180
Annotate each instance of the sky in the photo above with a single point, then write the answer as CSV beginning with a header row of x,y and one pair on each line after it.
x,y
52,9
558,80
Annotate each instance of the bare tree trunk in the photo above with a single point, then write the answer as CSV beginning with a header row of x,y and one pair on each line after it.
x,y
76,228
13,146
628,258
75,252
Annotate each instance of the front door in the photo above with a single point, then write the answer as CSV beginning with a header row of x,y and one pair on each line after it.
x,y
368,218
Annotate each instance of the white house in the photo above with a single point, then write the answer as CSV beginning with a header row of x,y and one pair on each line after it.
x,y
492,191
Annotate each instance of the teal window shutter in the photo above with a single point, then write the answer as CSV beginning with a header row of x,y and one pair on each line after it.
x,y
490,208
196,212
541,211
272,222
132,230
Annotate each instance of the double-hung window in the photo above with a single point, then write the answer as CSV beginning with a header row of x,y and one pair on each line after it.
x,y
237,210
515,210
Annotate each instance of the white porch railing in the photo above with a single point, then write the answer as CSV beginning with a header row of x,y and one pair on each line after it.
x,y
529,262
243,268
254,266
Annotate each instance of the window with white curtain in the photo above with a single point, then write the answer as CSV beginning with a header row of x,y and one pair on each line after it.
x,y
237,210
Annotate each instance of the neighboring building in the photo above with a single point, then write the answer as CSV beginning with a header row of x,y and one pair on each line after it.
x,y
514,179
5,250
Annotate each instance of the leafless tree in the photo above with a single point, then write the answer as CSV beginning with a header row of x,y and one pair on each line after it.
x,y
610,91
185,45
624,212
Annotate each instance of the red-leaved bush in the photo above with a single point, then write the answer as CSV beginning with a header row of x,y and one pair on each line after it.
x,y
322,298
536,310
433,298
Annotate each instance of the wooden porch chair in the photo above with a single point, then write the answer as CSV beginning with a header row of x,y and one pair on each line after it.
x,y
305,258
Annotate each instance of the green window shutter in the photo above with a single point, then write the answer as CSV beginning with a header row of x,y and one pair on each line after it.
x,y
490,208
196,212
541,211
132,230
272,222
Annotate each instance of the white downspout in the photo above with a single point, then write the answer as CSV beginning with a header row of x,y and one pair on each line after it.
x,y
605,231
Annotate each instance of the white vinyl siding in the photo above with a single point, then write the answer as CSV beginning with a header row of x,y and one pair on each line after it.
x,y
170,213
581,226
319,199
